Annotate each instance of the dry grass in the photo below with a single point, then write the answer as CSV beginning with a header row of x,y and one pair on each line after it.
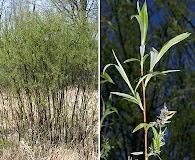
x,y
22,139
22,151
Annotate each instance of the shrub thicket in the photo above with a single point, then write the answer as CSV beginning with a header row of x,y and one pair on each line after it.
x,y
48,75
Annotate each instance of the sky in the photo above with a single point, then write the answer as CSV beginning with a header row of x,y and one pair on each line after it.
x,y
41,5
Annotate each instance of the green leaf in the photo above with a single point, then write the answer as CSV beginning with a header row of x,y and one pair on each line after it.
x,y
107,112
147,77
139,126
139,100
151,124
130,98
107,109
138,8
145,57
131,60
156,140
103,105
107,77
106,146
126,96
141,25
137,153
122,72
170,43
109,102
150,75
144,17
142,50
108,65
103,81
140,80
162,133
153,58
169,71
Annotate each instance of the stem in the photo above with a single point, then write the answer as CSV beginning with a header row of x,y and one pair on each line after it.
x,y
144,117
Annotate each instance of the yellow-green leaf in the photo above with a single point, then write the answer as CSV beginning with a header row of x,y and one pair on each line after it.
x,y
170,43
139,126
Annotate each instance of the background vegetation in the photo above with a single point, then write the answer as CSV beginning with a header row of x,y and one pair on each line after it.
x,y
48,80
166,19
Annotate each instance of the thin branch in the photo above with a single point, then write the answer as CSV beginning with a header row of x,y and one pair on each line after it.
x,y
144,118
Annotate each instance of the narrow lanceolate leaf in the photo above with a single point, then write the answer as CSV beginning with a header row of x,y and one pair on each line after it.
x,y
156,140
145,57
137,153
133,100
144,17
107,109
139,100
147,77
108,65
103,105
126,96
106,113
153,58
139,82
169,71
150,75
142,50
107,77
109,102
131,60
141,25
122,72
139,126
143,60
170,43
130,98
138,8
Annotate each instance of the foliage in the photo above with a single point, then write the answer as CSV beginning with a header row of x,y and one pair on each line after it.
x,y
134,97
51,46
107,110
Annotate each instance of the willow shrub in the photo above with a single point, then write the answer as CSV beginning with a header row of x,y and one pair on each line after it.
x,y
158,127
48,44
41,56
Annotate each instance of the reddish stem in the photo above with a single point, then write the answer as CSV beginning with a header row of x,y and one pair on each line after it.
x,y
144,118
